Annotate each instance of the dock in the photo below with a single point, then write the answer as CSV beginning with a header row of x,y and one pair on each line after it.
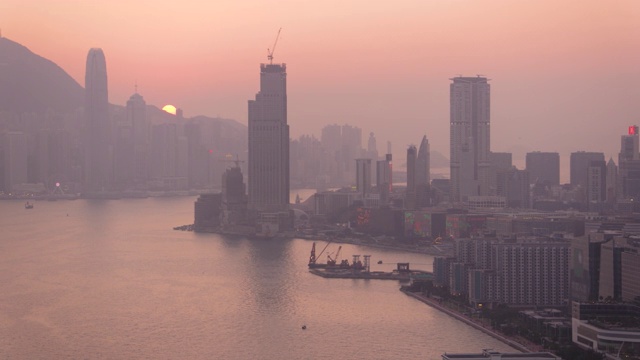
x,y
358,274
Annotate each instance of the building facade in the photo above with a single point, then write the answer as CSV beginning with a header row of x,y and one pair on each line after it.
x,y
97,140
543,167
269,142
470,137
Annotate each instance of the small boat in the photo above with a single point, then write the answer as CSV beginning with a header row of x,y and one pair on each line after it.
x,y
28,205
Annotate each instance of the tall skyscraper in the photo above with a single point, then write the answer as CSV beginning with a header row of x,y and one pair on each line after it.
x,y
579,165
269,142
543,167
363,176
500,161
137,117
470,137
384,170
513,184
372,148
410,196
97,144
612,181
423,174
596,182
629,165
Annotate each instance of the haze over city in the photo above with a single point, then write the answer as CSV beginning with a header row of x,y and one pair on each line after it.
x,y
563,74
305,179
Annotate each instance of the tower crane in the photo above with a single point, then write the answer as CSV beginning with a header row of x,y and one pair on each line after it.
x,y
237,161
273,48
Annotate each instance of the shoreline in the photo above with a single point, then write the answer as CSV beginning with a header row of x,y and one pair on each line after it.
x,y
506,340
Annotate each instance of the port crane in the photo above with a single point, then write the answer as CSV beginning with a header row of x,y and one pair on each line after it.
x,y
334,260
273,48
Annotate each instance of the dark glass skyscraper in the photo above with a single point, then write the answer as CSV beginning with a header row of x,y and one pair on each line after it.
x,y
97,144
269,142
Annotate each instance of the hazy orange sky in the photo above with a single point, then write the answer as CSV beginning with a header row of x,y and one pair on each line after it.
x,y
564,74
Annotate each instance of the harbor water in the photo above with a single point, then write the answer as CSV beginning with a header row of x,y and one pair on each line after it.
x,y
110,279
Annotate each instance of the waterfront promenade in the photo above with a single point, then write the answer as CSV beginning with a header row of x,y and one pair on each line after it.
x,y
515,342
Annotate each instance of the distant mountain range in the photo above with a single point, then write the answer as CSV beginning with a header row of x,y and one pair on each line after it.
x,y
31,83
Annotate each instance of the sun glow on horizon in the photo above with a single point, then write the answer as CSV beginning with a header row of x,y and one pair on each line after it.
x,y
170,109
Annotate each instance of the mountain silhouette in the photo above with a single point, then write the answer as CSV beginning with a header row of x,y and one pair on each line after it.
x,y
31,83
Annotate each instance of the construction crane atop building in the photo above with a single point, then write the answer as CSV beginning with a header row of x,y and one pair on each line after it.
x,y
273,48
228,159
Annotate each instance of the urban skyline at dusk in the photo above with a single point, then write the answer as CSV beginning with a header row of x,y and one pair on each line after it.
x,y
234,179
560,73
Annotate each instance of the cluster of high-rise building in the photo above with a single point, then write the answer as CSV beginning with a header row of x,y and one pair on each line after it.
x,y
106,150
530,271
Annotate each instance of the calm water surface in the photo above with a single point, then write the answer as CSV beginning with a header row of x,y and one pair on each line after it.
x,y
110,279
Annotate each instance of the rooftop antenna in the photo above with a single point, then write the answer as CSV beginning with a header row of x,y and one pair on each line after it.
x,y
270,52
136,86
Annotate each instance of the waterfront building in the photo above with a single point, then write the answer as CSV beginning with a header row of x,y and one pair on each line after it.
x,y
543,167
234,199
137,117
442,270
328,202
528,272
610,328
488,354
14,146
123,159
207,212
470,137
169,159
424,224
269,142
98,169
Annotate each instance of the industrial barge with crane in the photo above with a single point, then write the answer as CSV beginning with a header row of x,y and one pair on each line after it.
x,y
358,269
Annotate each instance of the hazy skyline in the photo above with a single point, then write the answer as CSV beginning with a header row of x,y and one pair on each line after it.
x,y
563,74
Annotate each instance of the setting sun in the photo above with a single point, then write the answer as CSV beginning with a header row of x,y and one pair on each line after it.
x,y
170,109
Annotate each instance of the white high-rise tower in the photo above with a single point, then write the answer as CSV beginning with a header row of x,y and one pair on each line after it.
x,y
470,137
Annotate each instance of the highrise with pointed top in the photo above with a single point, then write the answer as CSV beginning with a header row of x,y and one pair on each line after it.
x,y
98,170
